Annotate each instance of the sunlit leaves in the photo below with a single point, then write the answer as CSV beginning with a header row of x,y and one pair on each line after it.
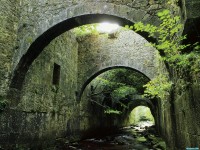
x,y
123,91
158,87
112,111
196,47
165,31
121,84
86,29
147,28
163,14
169,41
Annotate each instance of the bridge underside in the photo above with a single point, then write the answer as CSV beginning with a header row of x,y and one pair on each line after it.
x,y
45,71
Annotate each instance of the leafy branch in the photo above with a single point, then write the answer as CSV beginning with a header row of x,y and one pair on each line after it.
x,y
169,42
113,89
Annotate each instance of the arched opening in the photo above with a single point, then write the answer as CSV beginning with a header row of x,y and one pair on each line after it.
x,y
103,72
141,116
41,42
58,97
115,90
108,96
109,100
51,82
37,26
44,39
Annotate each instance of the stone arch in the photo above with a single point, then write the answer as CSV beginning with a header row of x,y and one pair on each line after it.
x,y
127,49
66,19
100,72
138,100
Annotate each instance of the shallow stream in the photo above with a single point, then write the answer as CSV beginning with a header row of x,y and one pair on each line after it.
x,y
136,137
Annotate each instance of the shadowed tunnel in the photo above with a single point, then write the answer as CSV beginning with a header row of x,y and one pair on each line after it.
x,y
52,84
35,53
97,87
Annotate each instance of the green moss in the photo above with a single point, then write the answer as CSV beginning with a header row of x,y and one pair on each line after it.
x,y
3,103
86,30
29,40
4,34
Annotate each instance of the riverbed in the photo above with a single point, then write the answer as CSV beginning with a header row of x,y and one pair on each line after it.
x,y
136,137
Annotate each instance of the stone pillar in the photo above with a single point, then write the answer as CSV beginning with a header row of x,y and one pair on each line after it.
x,y
8,35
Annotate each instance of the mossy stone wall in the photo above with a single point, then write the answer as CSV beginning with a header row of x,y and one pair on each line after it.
x,y
46,111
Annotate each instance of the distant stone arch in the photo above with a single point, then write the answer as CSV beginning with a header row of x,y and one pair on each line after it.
x,y
138,100
100,72
126,50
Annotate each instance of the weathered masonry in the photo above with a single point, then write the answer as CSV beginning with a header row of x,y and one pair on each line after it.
x,y
44,69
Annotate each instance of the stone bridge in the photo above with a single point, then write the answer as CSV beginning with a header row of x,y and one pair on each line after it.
x,y
44,68
51,19
127,49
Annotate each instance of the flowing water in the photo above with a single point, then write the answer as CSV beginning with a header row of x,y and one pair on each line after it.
x,y
137,137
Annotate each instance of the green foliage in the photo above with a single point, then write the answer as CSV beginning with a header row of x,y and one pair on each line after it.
x,y
158,87
195,58
107,84
126,78
169,42
140,113
120,84
123,91
86,30
112,111
165,33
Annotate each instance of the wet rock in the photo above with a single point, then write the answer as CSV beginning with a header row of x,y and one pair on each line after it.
x,y
140,147
95,140
160,145
72,147
121,140
75,144
127,138
147,143
141,139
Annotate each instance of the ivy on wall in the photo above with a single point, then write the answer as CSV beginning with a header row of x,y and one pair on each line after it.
x,y
90,29
170,43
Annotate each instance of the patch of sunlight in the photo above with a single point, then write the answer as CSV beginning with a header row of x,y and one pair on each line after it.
x,y
141,115
106,27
